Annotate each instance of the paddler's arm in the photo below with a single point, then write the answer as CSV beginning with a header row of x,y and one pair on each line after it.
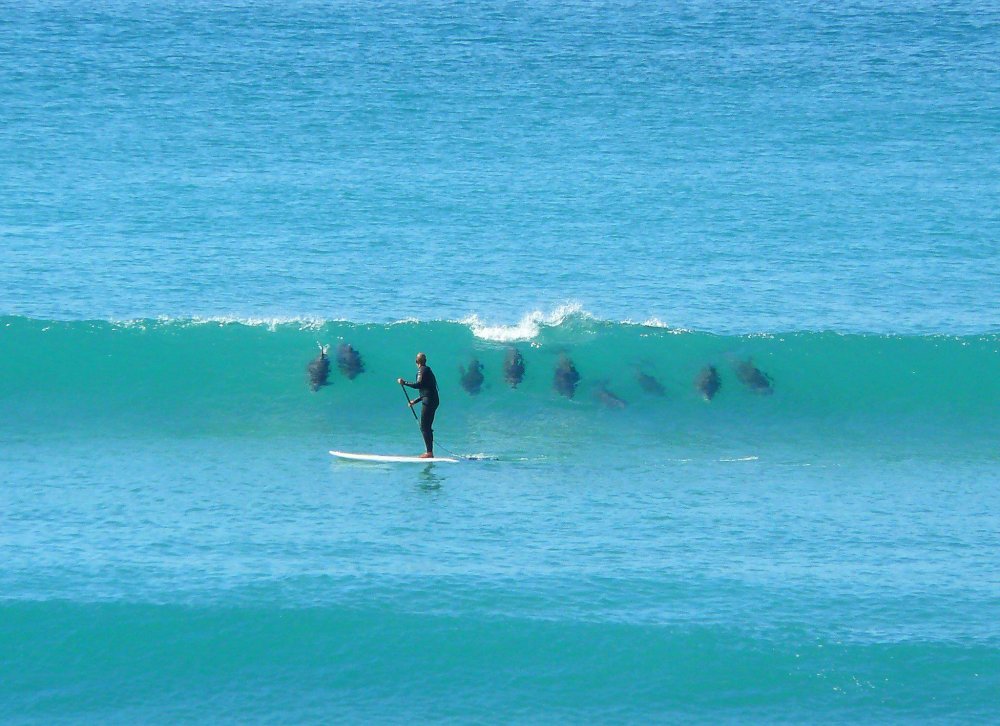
x,y
415,384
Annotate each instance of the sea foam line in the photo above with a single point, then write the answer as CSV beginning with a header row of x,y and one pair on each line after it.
x,y
270,323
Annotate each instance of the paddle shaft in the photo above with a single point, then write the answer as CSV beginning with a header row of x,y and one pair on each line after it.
x,y
403,389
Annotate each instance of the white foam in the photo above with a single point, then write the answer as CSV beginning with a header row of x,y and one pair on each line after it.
x,y
271,323
527,327
654,323
657,323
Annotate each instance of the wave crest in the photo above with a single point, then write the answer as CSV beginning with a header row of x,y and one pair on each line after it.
x,y
528,327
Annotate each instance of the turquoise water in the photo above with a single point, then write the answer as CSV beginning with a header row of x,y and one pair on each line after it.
x,y
192,195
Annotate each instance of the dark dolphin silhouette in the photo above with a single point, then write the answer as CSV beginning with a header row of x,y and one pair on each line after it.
x,y
349,361
753,378
319,369
608,399
566,377
649,384
707,382
513,367
472,379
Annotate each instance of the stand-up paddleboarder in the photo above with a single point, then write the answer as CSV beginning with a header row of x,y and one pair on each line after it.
x,y
426,385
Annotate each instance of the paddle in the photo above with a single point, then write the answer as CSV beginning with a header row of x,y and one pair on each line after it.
x,y
403,389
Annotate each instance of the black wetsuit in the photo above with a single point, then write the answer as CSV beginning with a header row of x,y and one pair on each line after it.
x,y
426,383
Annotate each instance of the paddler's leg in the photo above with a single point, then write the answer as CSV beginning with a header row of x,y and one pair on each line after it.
x,y
426,422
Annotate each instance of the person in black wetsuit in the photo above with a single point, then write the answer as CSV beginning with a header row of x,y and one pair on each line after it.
x,y
427,385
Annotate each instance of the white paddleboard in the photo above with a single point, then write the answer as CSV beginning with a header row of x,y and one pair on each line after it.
x,y
393,459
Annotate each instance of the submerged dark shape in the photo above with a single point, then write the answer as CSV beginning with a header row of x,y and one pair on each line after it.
x,y
753,378
649,384
472,379
707,382
608,399
319,369
349,361
513,367
566,377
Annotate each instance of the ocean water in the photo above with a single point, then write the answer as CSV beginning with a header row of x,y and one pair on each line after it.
x,y
802,196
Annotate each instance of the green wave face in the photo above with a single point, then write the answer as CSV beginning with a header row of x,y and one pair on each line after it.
x,y
184,377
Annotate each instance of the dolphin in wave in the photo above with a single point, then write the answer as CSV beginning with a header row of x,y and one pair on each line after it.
x,y
566,377
754,378
472,379
608,399
513,367
649,384
319,368
349,361
708,382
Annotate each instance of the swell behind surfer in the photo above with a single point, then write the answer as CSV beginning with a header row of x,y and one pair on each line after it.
x,y
426,385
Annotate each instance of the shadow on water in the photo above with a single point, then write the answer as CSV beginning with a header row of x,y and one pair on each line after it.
x,y
430,479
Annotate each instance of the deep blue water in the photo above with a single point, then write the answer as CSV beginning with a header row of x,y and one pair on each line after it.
x,y
734,167
192,194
